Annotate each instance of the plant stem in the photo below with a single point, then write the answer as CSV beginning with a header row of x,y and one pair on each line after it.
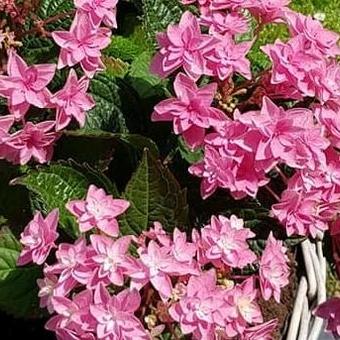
x,y
272,192
282,175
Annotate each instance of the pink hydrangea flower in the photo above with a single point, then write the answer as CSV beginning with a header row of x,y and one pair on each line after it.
x,y
82,44
182,250
221,23
72,264
228,58
73,319
190,112
260,332
198,310
226,240
313,32
72,101
99,10
115,315
33,141
330,311
98,210
38,238
156,264
183,45
269,10
274,269
110,259
214,171
6,123
243,299
25,85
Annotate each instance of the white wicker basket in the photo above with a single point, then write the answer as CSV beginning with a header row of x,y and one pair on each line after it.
x,y
311,292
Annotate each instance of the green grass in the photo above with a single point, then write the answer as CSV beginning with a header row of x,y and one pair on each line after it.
x,y
331,9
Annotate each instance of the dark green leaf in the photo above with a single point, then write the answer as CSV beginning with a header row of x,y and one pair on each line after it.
x,y
190,156
18,288
154,195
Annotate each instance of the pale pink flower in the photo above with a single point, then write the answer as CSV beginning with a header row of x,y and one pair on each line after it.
x,y
183,45
98,210
115,315
330,311
72,263
230,4
6,123
243,300
110,260
260,332
82,44
214,171
228,58
313,32
274,269
38,238
25,85
73,319
99,10
72,101
33,141
221,23
269,10
199,308
182,250
191,111
156,264
226,240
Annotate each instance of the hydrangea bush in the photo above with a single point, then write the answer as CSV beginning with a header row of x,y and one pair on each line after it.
x,y
156,179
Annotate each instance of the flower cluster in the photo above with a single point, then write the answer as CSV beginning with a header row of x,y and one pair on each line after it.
x,y
99,288
251,125
25,85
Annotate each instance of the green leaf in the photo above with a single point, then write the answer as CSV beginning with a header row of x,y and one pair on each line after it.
x,y
54,186
107,115
190,156
18,288
142,80
158,14
154,195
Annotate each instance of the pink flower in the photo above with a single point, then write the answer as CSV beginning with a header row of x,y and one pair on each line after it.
x,y
243,299
98,210
73,319
115,315
198,310
182,250
99,10
274,269
221,23
110,259
38,238
25,85
190,112
214,171
157,265
82,44
313,32
260,332
33,141
226,240
182,45
72,263
269,10
6,123
72,101
227,58
330,311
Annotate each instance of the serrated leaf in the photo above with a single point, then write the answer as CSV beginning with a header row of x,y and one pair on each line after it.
x,y
54,186
142,80
154,195
158,14
18,289
107,115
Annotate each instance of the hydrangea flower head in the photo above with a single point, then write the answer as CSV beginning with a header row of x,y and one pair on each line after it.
x,y
190,112
274,269
330,311
38,238
98,210
25,85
